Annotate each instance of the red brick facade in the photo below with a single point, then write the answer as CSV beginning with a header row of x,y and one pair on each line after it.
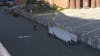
x,y
61,3
93,3
78,4
72,4
98,3
85,3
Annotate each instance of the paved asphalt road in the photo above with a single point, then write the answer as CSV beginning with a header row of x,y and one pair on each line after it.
x,y
39,43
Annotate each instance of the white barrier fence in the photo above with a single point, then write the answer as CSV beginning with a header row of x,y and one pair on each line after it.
x,y
3,51
92,41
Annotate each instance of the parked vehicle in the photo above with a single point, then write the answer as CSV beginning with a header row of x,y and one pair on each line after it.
x,y
14,10
16,13
6,3
61,34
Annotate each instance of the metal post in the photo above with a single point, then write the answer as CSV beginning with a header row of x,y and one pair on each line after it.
x,y
53,18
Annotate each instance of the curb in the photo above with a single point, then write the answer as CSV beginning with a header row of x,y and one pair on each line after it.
x,y
30,18
42,25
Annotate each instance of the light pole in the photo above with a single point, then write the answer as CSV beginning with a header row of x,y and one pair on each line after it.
x,y
53,16
30,7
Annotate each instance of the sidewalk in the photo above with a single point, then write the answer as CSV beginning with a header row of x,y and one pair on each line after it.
x,y
93,13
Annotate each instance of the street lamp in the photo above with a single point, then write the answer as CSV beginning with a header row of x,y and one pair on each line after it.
x,y
30,7
53,16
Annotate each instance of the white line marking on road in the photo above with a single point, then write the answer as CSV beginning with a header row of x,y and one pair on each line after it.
x,y
24,36
27,36
19,37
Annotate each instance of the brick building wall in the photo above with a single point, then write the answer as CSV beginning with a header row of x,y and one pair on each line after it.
x,y
78,4
85,3
60,3
93,3
72,4
98,3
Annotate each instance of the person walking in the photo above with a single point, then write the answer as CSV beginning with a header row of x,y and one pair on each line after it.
x,y
35,26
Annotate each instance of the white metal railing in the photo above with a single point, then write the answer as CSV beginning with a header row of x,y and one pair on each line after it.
x,y
84,34
3,51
